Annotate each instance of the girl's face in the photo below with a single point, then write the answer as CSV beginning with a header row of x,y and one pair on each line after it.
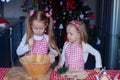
x,y
72,34
38,28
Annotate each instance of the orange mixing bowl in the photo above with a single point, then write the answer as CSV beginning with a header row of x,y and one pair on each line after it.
x,y
35,65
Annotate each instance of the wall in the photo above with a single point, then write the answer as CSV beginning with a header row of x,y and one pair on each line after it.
x,y
1,9
92,5
13,9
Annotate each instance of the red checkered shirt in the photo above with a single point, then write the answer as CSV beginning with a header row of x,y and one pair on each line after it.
x,y
40,46
74,57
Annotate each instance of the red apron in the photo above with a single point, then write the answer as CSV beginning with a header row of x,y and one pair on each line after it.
x,y
74,57
40,46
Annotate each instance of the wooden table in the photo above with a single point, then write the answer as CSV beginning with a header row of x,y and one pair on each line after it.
x,y
3,71
18,73
91,76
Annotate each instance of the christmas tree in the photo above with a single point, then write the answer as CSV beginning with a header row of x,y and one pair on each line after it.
x,y
29,5
67,10
64,11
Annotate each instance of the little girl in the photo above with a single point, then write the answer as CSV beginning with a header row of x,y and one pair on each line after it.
x,y
76,49
35,41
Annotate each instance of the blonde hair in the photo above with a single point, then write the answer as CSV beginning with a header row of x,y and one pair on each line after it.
x,y
41,17
81,28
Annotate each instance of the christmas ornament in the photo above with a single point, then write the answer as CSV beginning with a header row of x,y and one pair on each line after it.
x,y
64,13
54,27
65,38
92,16
63,17
92,26
81,16
103,75
70,4
61,26
78,18
86,12
86,18
98,41
54,21
57,18
70,12
61,3
46,8
117,77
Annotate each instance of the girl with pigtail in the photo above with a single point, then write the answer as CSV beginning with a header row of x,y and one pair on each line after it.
x,y
76,49
35,41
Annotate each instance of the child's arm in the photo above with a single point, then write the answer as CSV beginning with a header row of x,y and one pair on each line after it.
x,y
23,48
89,49
53,51
51,57
62,58
97,69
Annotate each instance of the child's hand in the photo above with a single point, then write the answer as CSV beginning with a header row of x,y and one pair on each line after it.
x,y
30,42
52,57
57,67
28,53
97,69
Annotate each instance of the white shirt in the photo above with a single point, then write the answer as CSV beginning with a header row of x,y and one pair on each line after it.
x,y
23,48
87,48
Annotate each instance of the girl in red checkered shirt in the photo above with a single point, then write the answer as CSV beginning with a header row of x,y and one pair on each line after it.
x,y
76,49
35,41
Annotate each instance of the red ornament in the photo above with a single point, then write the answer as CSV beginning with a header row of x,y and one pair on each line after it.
x,y
65,38
70,4
61,3
92,16
46,8
92,26
54,21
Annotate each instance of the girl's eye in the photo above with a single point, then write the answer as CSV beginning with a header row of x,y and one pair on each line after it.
x,y
38,28
71,33
42,28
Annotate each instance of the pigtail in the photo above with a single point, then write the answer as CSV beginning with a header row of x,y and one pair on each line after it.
x,y
41,16
52,40
84,36
28,29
